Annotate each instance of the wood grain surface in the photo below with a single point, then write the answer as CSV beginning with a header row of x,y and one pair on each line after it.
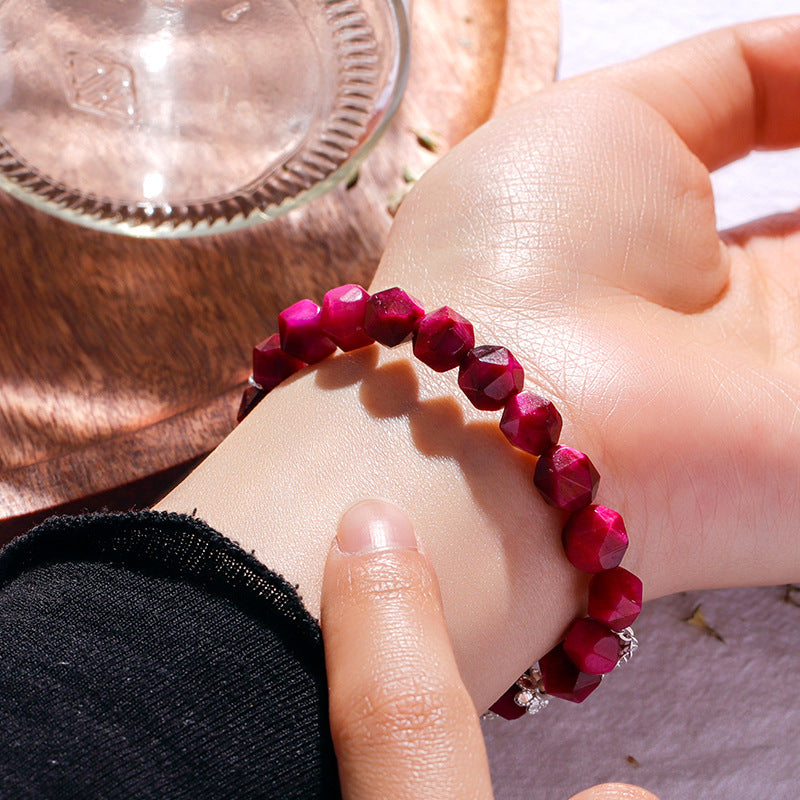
x,y
122,360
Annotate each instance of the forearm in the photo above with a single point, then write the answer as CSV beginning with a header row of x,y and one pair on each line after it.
x,y
373,424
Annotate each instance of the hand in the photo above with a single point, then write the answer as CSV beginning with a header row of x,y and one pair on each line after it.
x,y
403,724
578,230
580,227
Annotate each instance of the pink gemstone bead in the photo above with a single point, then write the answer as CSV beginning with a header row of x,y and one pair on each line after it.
x,y
342,317
442,339
592,647
489,375
615,598
566,478
531,423
271,365
391,316
594,539
301,335
506,707
563,679
251,397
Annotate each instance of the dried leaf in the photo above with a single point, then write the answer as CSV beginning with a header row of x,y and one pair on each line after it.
x,y
632,761
408,175
428,140
697,620
352,180
396,198
791,594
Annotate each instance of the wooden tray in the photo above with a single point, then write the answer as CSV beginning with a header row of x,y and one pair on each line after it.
x,y
122,360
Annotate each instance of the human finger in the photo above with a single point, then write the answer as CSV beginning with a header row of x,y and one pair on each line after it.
x,y
402,722
602,180
605,176
727,92
614,791
582,191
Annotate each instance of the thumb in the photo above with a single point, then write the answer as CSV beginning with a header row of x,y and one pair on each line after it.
x,y
614,791
402,722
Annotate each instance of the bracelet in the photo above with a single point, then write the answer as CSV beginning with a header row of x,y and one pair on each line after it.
x,y
594,536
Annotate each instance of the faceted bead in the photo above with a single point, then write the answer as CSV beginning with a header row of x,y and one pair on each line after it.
x,y
391,316
566,478
271,365
251,397
531,423
301,335
342,318
592,647
563,679
595,539
615,598
442,339
489,375
505,706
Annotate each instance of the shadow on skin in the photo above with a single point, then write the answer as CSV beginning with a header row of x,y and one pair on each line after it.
x,y
776,225
499,477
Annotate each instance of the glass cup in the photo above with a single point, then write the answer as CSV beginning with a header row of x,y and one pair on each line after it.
x,y
166,118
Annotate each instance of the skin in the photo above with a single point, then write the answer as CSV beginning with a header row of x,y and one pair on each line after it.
x,y
402,720
578,230
403,723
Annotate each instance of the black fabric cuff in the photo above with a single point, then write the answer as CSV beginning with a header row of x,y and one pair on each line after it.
x,y
145,655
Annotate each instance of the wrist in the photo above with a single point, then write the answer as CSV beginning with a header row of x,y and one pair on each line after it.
x,y
374,424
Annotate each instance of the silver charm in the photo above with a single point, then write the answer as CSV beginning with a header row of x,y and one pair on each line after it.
x,y
628,645
531,695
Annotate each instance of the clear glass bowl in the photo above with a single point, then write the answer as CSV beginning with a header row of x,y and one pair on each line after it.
x,y
185,117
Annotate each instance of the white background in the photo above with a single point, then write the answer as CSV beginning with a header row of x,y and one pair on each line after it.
x,y
595,33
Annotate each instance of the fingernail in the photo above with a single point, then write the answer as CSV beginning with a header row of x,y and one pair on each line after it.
x,y
373,525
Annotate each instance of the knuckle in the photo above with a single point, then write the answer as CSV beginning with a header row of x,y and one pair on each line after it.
x,y
402,710
384,578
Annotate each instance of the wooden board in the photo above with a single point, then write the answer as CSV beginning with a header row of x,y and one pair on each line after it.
x,y
122,360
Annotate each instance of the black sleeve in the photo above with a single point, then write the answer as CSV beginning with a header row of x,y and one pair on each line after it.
x,y
146,656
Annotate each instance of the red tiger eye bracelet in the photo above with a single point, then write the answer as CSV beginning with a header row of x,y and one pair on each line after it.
x,y
594,537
